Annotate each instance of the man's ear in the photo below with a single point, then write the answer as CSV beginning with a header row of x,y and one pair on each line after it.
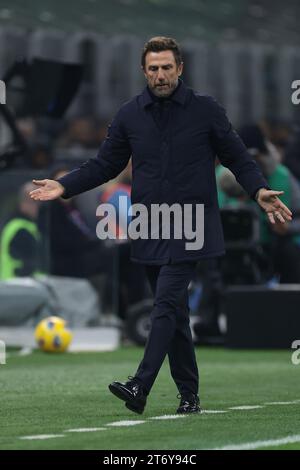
x,y
180,69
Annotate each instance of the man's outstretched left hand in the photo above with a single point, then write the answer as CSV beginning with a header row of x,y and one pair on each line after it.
x,y
271,204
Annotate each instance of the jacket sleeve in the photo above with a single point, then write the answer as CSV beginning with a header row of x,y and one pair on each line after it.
x,y
112,158
232,152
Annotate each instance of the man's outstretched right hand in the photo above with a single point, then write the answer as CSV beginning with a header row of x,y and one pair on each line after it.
x,y
47,190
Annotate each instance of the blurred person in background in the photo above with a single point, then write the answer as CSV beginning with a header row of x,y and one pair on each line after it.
x,y
173,135
28,128
280,242
131,278
20,239
80,133
292,155
74,250
40,156
278,132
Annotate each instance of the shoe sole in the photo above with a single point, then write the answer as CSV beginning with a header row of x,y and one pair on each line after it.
x,y
122,396
188,412
134,408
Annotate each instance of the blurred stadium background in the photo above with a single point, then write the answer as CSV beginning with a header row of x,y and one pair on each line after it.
x,y
244,53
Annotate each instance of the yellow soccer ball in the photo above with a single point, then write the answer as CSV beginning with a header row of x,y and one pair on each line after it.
x,y
52,335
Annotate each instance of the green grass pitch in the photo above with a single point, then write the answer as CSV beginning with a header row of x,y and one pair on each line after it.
x,y
50,394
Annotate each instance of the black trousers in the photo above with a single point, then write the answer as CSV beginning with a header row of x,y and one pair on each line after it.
x,y
170,332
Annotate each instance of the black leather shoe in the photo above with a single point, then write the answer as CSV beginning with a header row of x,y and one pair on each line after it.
x,y
132,393
189,404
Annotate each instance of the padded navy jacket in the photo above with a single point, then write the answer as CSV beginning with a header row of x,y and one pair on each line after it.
x,y
174,163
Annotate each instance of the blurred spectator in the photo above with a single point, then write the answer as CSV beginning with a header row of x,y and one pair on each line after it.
x,y
269,132
40,156
132,278
28,128
278,132
292,155
280,242
111,194
80,133
74,250
20,239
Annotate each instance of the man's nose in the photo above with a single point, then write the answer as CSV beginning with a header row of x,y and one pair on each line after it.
x,y
161,75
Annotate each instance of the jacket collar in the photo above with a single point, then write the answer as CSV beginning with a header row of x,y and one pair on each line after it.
x,y
179,95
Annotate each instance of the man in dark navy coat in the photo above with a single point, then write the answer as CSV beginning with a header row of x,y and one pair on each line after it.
x,y
173,135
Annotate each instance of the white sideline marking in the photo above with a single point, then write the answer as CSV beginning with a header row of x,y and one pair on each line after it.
x,y
41,436
246,407
245,446
168,417
125,423
26,351
213,411
282,402
259,444
86,430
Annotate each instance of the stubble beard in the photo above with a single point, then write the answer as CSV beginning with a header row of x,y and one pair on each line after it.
x,y
163,92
